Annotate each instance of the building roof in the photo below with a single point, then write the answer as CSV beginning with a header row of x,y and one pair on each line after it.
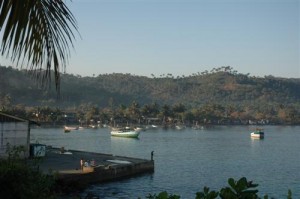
x,y
4,117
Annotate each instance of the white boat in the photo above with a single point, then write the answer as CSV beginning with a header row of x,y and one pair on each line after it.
x,y
68,128
93,126
138,129
198,127
129,133
151,126
179,127
258,133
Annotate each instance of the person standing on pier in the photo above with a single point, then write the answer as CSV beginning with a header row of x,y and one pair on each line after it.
x,y
81,164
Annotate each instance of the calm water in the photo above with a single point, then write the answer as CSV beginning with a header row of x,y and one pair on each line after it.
x,y
187,160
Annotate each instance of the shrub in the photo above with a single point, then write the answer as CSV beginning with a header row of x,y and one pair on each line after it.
x,y
18,179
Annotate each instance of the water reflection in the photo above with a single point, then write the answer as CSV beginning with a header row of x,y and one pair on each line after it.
x,y
255,138
124,146
186,161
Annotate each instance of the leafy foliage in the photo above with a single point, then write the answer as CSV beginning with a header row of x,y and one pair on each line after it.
x,y
219,88
37,33
221,96
206,194
163,195
241,189
18,179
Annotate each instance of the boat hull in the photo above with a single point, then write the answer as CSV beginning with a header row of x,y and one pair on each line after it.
x,y
68,128
127,134
257,135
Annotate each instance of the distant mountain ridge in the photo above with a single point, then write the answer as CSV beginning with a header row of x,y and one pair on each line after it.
x,y
219,86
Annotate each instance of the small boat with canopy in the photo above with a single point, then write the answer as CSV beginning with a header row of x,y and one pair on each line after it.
x,y
258,133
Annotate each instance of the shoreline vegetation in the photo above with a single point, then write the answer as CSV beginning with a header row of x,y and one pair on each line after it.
x,y
219,97
165,116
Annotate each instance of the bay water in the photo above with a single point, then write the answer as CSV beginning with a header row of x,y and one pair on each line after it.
x,y
187,160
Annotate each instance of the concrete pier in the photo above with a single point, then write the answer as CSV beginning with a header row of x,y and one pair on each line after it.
x,y
100,167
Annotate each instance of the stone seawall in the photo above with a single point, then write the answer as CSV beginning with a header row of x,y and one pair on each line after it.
x,y
109,173
65,165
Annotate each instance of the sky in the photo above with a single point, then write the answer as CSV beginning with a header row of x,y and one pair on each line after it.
x,y
182,37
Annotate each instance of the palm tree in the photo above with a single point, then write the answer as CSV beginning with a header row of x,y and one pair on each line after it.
x,y
37,33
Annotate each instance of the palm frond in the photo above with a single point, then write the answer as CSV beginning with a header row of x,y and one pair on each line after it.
x,y
38,34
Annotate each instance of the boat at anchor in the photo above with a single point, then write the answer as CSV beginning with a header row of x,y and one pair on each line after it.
x,y
68,129
258,133
125,132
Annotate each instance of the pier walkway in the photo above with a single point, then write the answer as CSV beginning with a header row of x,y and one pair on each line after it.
x,y
101,167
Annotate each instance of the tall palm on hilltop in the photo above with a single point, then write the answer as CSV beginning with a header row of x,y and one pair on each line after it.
x,y
37,34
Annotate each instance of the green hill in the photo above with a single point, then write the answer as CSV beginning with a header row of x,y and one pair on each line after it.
x,y
220,86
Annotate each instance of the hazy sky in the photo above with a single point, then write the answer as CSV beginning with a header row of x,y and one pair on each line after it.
x,y
182,37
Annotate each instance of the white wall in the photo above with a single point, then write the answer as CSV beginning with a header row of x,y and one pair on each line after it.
x,y
14,133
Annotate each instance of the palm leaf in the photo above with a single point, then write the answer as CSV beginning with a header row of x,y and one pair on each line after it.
x,y
37,34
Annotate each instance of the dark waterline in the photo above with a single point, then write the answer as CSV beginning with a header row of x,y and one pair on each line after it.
x,y
187,160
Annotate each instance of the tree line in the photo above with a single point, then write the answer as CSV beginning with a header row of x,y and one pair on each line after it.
x,y
219,96
153,113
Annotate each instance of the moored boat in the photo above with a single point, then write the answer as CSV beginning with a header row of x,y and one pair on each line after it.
x,y
138,129
179,126
124,132
258,133
93,126
67,129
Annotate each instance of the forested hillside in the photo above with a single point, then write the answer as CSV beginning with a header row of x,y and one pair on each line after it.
x,y
220,86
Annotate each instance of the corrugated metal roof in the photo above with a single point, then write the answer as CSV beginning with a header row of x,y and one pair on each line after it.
x,y
10,118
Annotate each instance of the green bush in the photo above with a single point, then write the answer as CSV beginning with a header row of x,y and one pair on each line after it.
x,y
18,179
241,189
